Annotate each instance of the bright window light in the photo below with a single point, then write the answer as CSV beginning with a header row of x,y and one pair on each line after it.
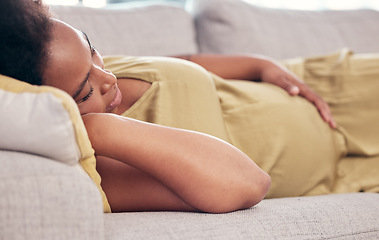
x,y
88,3
95,3
338,4
61,2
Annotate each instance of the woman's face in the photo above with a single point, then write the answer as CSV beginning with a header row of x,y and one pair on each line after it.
x,y
78,69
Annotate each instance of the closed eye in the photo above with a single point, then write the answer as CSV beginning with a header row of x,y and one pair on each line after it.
x,y
86,97
84,82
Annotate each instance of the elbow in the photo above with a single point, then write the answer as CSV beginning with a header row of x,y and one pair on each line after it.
x,y
253,192
258,191
243,196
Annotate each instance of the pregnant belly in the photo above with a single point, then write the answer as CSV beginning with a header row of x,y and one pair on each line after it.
x,y
286,137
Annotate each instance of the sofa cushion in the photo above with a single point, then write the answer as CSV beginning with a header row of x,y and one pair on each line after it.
x,y
35,121
144,30
237,27
43,199
45,121
340,216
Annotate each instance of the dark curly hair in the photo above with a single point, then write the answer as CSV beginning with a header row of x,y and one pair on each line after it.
x,y
25,32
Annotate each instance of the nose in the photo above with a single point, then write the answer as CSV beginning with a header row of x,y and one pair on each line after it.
x,y
108,80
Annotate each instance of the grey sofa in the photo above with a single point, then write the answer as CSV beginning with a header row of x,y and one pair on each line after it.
x,y
47,196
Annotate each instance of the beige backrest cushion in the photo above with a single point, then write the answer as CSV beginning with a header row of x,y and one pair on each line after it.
x,y
153,30
237,27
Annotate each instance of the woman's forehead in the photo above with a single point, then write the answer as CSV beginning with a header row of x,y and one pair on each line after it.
x,y
64,31
69,57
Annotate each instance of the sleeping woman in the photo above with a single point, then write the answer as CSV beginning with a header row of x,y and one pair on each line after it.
x,y
170,133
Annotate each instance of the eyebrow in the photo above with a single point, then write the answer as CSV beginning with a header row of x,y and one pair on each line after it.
x,y
85,80
87,38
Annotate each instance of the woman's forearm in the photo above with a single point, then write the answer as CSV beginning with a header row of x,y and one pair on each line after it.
x,y
262,69
231,66
207,173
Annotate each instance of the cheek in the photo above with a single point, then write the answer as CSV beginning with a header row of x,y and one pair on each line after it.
x,y
92,105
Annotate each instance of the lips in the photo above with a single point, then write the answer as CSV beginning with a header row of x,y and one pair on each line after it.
x,y
116,100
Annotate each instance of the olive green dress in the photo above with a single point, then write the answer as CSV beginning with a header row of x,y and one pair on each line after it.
x,y
283,134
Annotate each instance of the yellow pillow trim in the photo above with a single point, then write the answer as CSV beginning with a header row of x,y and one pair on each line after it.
x,y
87,160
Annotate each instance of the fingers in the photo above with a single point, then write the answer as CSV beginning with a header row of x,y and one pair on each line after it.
x,y
294,86
289,86
325,112
293,90
320,104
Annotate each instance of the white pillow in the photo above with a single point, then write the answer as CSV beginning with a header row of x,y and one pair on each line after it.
x,y
35,121
45,121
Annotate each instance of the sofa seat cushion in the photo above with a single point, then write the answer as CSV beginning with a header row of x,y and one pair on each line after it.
x,y
237,27
340,216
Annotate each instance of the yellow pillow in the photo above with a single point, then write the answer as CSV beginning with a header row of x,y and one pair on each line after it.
x,y
45,121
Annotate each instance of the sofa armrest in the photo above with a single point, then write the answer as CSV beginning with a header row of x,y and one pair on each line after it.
x,y
45,199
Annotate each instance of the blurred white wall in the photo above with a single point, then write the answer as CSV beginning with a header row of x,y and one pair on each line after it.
x,y
290,4
317,4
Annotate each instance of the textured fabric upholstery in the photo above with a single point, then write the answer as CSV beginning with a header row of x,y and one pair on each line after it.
x,y
345,216
152,30
236,27
45,199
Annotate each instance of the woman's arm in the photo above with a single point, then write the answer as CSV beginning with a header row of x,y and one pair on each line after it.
x,y
231,66
259,68
206,173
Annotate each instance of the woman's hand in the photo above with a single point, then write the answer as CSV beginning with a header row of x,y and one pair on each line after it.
x,y
265,70
273,73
